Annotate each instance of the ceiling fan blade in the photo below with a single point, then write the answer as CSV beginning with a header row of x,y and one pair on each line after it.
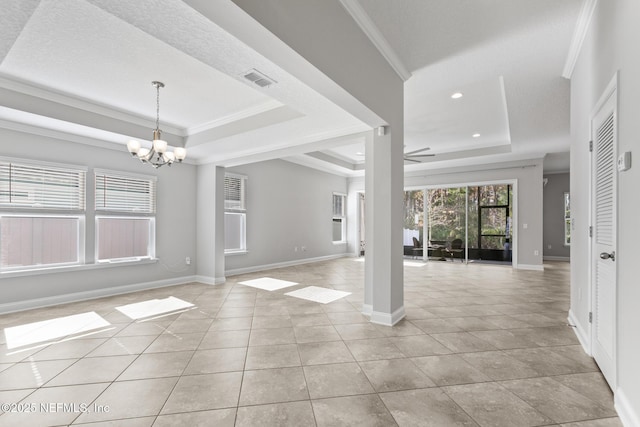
x,y
411,160
417,151
420,155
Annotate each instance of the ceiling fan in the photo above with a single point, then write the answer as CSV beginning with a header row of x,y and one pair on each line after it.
x,y
413,156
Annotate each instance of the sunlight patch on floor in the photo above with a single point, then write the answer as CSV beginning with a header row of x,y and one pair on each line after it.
x,y
48,330
154,307
268,283
317,294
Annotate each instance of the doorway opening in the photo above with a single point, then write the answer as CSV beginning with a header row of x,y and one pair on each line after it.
x,y
470,223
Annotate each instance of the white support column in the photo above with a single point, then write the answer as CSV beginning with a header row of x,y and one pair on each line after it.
x,y
384,185
210,264
218,219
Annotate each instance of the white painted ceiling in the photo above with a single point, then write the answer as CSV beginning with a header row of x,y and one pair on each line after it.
x,y
505,56
85,67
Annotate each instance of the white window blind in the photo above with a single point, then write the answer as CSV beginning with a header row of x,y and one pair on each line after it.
x,y
120,193
339,223
338,205
35,186
235,215
235,192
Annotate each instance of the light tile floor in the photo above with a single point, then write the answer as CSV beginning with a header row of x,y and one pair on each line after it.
x,y
481,345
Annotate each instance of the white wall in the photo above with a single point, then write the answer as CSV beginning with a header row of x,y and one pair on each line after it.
x,y
611,45
553,217
175,224
288,206
528,199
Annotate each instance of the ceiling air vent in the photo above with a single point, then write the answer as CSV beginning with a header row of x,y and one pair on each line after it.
x,y
258,78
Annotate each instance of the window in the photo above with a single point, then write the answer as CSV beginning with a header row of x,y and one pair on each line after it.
x,y
235,213
567,219
41,215
125,216
339,219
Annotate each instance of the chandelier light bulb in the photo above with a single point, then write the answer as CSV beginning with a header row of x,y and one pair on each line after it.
x,y
180,153
159,146
160,153
133,147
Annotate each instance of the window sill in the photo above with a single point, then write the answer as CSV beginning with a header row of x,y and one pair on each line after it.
x,y
344,242
236,253
78,267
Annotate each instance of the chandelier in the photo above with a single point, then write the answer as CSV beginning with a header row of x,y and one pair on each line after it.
x,y
159,154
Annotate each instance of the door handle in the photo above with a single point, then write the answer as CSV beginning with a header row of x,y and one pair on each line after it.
x,y
611,256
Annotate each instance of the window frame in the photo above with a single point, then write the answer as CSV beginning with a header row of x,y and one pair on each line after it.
x,y
151,244
76,209
567,219
237,210
80,242
342,216
104,211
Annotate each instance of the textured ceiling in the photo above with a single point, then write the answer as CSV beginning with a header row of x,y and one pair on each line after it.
x,y
84,67
88,64
76,48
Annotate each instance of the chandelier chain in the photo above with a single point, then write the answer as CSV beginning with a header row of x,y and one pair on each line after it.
x,y
157,107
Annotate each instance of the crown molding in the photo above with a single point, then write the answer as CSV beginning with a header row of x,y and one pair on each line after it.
x,y
363,20
82,104
579,34
305,144
249,112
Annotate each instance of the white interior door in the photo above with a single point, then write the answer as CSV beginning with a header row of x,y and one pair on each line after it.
x,y
603,242
361,233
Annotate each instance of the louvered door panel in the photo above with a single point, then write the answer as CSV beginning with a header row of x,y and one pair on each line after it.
x,y
604,180
604,183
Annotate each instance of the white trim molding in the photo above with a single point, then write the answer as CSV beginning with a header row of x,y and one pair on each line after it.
x,y
367,309
208,280
534,267
273,266
93,294
364,21
556,258
582,335
627,414
387,319
579,34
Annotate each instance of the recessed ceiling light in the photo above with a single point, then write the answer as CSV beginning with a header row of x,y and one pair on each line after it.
x,y
359,153
456,95
476,135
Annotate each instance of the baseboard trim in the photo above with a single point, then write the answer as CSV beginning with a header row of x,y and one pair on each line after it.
x,y
582,335
627,413
273,266
534,267
208,280
367,309
387,319
93,294
556,258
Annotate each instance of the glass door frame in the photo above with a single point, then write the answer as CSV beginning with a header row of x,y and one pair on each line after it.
x,y
514,209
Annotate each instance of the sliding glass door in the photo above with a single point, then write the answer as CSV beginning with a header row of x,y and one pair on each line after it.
x,y
470,223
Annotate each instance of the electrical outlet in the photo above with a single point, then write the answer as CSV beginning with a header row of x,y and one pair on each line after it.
x,y
187,260
548,246
295,249
536,252
304,248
